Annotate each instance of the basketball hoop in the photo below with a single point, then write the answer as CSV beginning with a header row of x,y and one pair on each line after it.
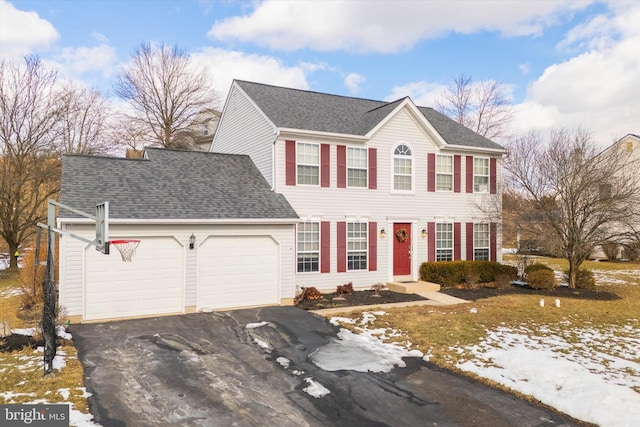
x,y
127,248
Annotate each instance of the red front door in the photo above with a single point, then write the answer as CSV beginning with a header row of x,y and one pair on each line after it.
x,y
401,249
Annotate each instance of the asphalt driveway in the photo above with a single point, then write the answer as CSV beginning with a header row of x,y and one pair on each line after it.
x,y
208,369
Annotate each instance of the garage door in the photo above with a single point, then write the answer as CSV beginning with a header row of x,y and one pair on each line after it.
x,y
152,283
238,272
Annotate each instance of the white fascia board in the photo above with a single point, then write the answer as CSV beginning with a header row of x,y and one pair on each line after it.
x,y
451,147
421,121
220,221
303,132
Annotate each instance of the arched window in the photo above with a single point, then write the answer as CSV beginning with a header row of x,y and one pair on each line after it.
x,y
402,168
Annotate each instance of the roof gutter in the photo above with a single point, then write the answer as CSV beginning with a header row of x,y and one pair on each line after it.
x,y
361,138
177,221
453,147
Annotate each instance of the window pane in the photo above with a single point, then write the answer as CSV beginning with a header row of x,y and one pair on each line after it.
x,y
480,175
357,167
444,173
357,245
402,150
444,242
402,172
308,245
308,158
481,242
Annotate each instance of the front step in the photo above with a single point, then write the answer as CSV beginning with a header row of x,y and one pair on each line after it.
x,y
413,287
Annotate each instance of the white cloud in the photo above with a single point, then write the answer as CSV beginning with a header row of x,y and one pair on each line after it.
x,y
388,26
22,32
354,81
524,68
597,89
423,94
75,61
226,65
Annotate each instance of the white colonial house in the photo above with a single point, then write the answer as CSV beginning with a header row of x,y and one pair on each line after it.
x,y
299,189
380,187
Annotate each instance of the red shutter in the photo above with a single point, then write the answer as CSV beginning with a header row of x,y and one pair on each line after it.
x,y
342,246
373,246
431,241
325,149
290,162
492,176
373,168
342,166
325,247
431,172
469,174
456,241
493,230
469,241
456,173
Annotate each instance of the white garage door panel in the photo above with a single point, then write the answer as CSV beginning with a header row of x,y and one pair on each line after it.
x,y
152,283
238,271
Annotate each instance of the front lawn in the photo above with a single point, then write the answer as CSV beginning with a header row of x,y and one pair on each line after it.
x,y
570,357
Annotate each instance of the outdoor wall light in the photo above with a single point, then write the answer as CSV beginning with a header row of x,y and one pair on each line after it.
x,y
192,241
424,233
383,233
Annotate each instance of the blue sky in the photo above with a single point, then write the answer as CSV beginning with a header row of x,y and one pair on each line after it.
x,y
565,63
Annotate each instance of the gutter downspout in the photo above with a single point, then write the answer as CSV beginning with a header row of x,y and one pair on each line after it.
x,y
273,160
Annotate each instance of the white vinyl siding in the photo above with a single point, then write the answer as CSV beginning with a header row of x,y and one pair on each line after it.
x,y
480,175
444,173
308,244
308,164
357,246
384,205
481,242
444,242
357,167
243,129
402,168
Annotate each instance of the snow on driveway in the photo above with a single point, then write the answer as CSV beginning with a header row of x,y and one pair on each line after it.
x,y
590,374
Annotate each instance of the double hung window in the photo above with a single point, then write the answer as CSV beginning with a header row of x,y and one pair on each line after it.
x,y
308,164
308,247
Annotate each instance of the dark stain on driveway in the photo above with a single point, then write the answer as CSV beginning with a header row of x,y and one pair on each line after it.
x,y
208,369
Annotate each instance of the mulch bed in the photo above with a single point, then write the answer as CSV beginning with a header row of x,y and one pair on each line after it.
x,y
476,293
361,298
357,298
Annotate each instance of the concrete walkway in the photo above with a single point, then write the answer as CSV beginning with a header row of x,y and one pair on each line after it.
x,y
433,298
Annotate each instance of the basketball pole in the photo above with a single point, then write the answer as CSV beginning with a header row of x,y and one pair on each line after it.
x,y
49,312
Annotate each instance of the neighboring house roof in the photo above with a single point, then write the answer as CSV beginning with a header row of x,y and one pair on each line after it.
x,y
171,184
321,112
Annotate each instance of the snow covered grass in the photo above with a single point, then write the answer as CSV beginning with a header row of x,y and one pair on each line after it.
x,y
582,358
21,372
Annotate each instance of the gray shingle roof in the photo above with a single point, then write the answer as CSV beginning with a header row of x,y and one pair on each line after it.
x,y
301,109
171,184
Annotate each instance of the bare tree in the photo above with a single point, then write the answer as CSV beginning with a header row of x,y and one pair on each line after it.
x,y
165,89
583,197
482,107
29,173
83,121
39,121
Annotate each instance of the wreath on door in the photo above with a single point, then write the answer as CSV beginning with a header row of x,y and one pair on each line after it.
x,y
402,235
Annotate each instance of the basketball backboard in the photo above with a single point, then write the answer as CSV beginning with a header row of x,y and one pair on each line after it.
x,y
102,227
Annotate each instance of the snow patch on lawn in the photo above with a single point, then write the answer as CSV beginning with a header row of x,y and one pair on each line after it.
x,y
566,369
